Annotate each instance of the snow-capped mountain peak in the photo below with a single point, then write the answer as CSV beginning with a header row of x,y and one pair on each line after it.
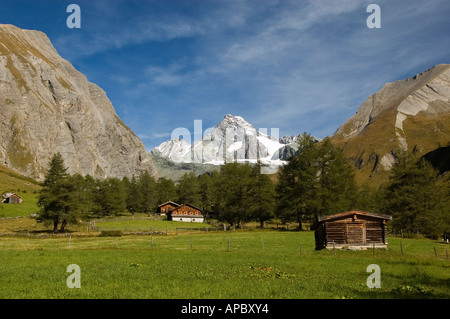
x,y
232,140
175,149
233,121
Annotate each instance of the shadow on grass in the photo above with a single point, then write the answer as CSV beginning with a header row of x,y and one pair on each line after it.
x,y
400,292
49,232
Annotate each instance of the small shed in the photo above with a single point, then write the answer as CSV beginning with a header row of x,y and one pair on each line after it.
x,y
11,198
186,213
167,207
351,230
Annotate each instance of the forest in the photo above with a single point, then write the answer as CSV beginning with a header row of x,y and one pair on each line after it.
x,y
318,181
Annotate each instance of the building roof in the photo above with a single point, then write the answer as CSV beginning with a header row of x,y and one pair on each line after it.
x,y
9,194
10,198
192,206
169,202
322,219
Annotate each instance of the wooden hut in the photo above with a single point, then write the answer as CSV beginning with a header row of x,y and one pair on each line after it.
x,y
167,207
186,213
351,230
11,198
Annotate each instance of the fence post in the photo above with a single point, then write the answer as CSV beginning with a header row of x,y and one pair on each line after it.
x,y
435,253
228,244
401,248
262,241
334,250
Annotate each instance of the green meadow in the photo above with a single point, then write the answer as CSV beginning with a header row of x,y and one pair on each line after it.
x,y
249,264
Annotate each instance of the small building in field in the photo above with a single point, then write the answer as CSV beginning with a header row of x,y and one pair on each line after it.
x,y
167,207
351,230
11,198
186,213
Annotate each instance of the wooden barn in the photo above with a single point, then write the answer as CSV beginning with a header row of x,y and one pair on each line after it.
x,y
11,198
186,213
167,207
351,230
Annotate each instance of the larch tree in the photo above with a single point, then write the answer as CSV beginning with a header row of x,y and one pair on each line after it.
x,y
417,197
262,196
317,181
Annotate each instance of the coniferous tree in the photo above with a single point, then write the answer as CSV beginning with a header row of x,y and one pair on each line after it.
x,y
206,196
110,197
126,185
133,196
147,193
188,190
262,196
337,189
298,184
369,199
232,193
165,190
417,198
58,196
318,181
84,193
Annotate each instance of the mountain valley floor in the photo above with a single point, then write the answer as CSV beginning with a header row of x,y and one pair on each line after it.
x,y
239,264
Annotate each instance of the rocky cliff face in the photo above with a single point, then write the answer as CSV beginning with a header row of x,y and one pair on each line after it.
x,y
411,114
47,106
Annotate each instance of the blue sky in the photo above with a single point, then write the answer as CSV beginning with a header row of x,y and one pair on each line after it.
x,y
300,66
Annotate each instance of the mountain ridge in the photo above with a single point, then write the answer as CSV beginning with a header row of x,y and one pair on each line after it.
x,y
48,106
411,114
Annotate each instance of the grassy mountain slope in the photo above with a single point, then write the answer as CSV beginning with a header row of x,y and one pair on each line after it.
x,y
366,150
412,114
27,188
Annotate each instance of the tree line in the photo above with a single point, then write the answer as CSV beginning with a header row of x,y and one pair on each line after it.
x,y
318,181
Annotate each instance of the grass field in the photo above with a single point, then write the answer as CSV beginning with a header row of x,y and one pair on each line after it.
x,y
267,264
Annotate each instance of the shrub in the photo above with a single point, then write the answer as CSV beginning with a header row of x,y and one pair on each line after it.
x,y
110,233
